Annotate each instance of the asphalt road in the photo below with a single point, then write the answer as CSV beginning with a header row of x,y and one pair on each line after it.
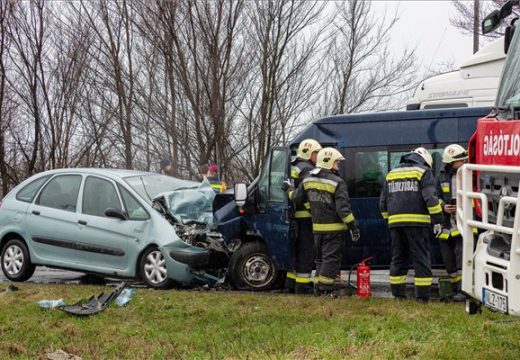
x,y
43,275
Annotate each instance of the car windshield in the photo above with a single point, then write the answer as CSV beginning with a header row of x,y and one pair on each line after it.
x,y
149,186
509,90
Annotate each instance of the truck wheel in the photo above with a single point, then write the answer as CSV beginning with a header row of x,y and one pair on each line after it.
x,y
251,268
472,307
16,262
153,269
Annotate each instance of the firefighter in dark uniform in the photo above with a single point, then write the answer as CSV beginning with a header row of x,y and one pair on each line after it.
x,y
326,193
299,280
450,238
410,204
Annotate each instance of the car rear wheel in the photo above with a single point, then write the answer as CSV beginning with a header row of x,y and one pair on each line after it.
x,y
153,269
472,307
16,263
251,268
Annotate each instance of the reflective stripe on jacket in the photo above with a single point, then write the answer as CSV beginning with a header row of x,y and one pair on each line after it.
x,y
326,194
409,195
300,170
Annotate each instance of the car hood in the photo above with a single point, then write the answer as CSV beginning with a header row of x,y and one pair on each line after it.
x,y
190,205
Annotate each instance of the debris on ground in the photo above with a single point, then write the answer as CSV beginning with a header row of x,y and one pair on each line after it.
x,y
120,295
9,289
50,304
61,355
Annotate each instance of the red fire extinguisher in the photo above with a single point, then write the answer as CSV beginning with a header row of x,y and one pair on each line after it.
x,y
363,278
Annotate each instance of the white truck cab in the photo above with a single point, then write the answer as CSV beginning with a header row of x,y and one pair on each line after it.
x,y
474,84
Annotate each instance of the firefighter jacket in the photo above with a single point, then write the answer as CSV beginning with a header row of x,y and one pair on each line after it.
x,y
217,185
326,195
300,170
409,195
446,194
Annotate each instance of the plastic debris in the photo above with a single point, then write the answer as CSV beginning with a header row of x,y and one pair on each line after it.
x,y
51,304
94,304
9,289
125,296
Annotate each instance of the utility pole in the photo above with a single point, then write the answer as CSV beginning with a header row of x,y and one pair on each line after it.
x,y
476,24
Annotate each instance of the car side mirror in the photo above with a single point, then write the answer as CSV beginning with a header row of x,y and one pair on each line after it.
x,y
115,213
491,22
240,194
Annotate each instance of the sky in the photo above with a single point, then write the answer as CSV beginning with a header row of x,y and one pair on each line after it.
x,y
426,25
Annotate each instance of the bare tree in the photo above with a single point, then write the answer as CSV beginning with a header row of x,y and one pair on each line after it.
x,y
363,74
468,15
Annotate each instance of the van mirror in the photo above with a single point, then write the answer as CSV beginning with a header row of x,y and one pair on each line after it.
x,y
240,194
491,22
507,9
115,213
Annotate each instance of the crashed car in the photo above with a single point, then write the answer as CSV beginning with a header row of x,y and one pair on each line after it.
x,y
116,223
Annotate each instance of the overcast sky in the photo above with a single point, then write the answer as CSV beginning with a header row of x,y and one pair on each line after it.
x,y
426,24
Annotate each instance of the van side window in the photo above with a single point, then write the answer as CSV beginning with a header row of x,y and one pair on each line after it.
x,y
366,171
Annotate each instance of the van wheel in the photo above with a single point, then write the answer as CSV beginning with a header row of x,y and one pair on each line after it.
x,y
251,268
153,269
472,307
16,262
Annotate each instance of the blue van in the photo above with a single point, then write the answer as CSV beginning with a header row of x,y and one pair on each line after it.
x,y
262,230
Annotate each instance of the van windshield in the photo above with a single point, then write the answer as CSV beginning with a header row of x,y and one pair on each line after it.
x,y
509,89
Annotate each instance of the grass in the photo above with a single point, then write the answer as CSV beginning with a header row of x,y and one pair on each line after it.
x,y
226,325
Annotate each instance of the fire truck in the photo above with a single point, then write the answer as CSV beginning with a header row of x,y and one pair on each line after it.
x,y
487,188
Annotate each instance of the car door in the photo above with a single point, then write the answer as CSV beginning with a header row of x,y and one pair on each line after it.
x,y
52,221
109,239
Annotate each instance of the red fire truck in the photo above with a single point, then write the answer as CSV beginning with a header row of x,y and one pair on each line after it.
x,y
488,195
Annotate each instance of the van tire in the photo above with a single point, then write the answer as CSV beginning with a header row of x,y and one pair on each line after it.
x,y
15,249
251,268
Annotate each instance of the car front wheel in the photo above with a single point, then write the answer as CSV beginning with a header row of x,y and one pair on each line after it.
x,y
153,269
16,263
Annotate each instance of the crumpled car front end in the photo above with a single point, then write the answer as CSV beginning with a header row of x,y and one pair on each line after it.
x,y
202,249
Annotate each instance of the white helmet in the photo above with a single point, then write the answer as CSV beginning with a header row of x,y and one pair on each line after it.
x,y
425,155
306,148
454,152
327,156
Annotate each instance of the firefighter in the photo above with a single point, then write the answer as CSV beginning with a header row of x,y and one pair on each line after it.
x,y
450,239
299,280
410,204
326,194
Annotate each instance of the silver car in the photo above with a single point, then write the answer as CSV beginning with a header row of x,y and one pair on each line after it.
x,y
116,223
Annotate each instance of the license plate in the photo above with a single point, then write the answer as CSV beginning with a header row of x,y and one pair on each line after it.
x,y
494,301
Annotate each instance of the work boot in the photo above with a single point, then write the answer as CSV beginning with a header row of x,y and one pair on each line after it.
x,y
399,291
289,285
459,295
303,289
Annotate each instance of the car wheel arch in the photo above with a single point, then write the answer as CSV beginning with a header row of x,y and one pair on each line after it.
x,y
10,236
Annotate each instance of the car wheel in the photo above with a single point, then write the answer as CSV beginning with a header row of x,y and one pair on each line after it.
x,y
153,269
251,268
16,262
472,307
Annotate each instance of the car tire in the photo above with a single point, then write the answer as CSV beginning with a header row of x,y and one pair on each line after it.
x,y
16,262
251,268
152,269
472,307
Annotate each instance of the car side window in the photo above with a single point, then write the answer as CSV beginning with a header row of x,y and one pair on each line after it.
x,y
99,195
61,192
28,192
133,208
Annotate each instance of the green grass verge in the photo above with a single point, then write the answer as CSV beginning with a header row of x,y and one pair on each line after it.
x,y
226,325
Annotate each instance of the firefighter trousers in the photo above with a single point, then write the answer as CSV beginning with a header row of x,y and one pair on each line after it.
x,y
329,254
451,252
411,244
299,281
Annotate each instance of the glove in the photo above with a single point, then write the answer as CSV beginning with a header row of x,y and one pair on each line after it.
x,y
355,234
286,185
437,230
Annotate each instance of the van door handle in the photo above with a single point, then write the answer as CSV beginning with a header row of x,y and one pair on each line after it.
x,y
82,222
36,212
